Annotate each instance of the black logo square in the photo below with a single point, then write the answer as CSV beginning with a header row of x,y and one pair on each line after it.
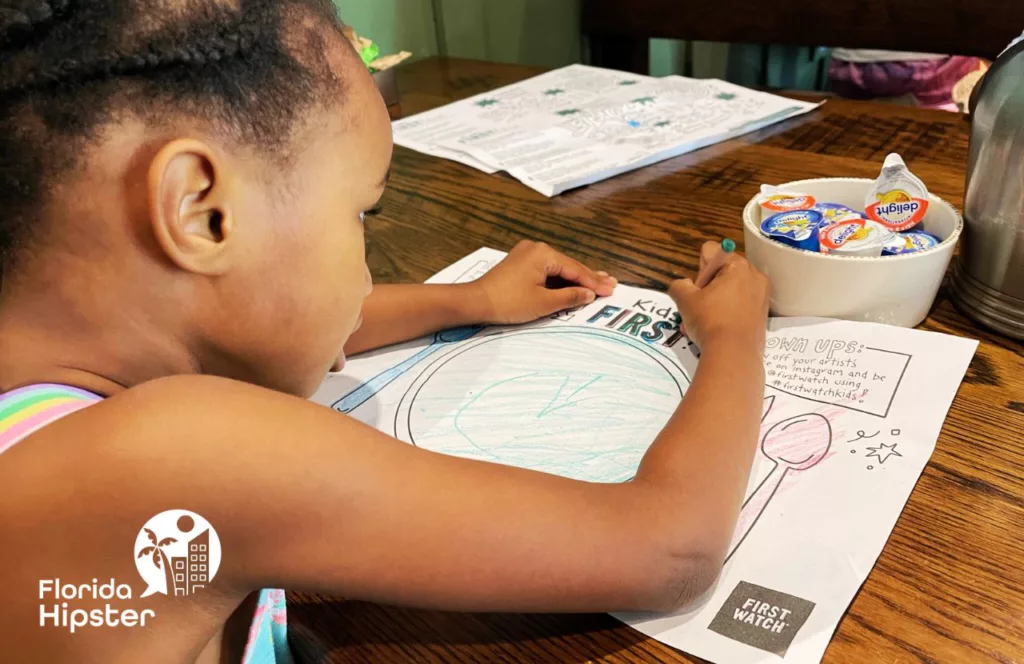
x,y
765,619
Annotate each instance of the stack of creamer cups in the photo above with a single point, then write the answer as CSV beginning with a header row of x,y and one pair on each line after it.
x,y
888,225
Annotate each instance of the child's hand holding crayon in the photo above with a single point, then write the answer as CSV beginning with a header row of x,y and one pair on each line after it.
x,y
727,303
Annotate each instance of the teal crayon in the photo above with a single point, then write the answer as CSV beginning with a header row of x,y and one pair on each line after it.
x,y
717,263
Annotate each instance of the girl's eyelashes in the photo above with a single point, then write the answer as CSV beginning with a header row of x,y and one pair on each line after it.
x,y
375,210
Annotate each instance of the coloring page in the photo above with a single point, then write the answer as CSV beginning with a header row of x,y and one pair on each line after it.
x,y
851,415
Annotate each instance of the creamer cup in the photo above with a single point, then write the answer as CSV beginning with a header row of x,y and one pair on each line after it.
x,y
773,200
833,212
899,199
853,237
910,242
798,228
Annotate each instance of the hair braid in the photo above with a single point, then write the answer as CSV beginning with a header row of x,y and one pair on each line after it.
x,y
20,19
67,67
224,43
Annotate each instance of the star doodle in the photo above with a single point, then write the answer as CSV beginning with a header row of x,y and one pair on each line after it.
x,y
883,452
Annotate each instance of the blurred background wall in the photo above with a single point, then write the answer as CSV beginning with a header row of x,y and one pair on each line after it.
x,y
547,33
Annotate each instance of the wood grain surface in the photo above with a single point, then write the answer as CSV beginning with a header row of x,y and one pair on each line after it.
x,y
949,586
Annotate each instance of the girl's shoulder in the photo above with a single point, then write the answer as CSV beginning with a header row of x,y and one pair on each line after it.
x,y
192,440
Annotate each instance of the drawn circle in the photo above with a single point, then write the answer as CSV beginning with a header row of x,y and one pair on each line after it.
x,y
186,523
575,401
853,451
871,467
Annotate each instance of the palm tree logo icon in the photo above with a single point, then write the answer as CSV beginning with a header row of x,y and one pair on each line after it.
x,y
156,551
177,552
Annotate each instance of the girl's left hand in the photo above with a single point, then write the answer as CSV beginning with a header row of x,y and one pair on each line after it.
x,y
535,281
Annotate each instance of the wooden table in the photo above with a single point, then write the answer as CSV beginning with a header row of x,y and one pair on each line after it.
x,y
949,586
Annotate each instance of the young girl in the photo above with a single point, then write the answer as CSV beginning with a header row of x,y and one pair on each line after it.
x,y
182,187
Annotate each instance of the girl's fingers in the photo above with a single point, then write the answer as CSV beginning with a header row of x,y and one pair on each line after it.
x,y
560,265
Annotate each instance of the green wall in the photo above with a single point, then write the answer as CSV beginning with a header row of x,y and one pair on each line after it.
x,y
547,33
538,32
397,25
535,32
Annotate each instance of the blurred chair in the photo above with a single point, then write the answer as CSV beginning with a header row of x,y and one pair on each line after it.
x,y
619,31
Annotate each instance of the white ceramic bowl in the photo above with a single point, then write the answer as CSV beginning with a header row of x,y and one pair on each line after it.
x,y
897,290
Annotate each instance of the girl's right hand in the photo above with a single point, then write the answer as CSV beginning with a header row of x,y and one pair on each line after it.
x,y
732,309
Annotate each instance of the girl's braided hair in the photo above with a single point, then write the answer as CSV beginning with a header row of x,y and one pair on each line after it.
x,y
68,67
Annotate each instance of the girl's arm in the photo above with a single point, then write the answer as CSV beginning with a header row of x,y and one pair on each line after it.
x,y
307,499
394,313
514,291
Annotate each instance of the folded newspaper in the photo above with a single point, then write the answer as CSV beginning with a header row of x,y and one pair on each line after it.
x,y
579,125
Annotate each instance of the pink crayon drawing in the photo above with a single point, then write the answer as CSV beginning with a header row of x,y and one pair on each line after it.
x,y
796,445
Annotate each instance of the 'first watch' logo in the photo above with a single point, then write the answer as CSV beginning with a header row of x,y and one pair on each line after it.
x,y
177,552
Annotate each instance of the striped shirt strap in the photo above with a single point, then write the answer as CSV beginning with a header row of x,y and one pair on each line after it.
x,y
27,410
24,411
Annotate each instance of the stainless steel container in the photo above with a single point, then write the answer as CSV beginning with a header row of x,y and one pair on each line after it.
x,y
988,280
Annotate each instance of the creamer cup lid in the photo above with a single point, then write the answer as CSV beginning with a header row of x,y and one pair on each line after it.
x,y
896,171
899,199
898,210
774,199
795,225
910,242
833,212
853,236
893,160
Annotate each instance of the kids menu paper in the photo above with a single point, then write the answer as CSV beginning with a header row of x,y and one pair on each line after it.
x,y
851,415
578,125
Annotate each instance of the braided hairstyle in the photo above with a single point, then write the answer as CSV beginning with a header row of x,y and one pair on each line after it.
x,y
247,68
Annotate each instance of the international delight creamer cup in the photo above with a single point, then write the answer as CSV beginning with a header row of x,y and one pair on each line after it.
x,y
899,199
910,242
853,237
774,201
893,289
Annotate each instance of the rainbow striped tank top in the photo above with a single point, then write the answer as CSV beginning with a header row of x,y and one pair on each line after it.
x,y
27,410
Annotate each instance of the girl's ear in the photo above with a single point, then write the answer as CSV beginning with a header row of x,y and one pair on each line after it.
x,y
190,209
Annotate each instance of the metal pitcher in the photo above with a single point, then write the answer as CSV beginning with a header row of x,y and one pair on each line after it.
x,y
988,280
